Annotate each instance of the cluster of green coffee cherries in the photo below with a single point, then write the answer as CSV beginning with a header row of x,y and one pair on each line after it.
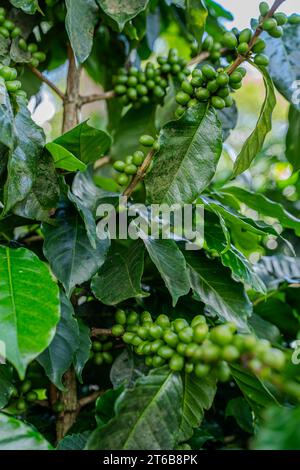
x,y
9,30
100,352
195,347
130,166
138,87
23,395
9,75
209,85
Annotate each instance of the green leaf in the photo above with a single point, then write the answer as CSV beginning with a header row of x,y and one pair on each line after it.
x,y
293,138
264,206
15,435
23,160
139,422
85,142
6,385
122,10
133,124
64,159
58,357
28,6
27,289
228,118
81,18
6,117
74,441
120,276
198,396
189,146
126,369
82,353
72,258
255,390
255,141
279,430
196,14
284,64
171,265
213,285
240,410
105,405
84,188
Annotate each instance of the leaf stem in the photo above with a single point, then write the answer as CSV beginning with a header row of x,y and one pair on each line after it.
x,y
44,79
100,331
106,95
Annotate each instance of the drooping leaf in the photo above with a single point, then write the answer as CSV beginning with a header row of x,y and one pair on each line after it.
x,y
72,258
196,14
22,164
293,138
264,206
58,357
228,118
74,441
6,385
84,188
28,6
64,159
126,369
29,306
130,128
171,265
85,142
147,417
279,430
255,141
15,435
213,285
120,276
198,396
186,162
81,18
82,353
122,10
284,64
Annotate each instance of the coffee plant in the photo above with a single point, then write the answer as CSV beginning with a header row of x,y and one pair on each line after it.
x,y
113,341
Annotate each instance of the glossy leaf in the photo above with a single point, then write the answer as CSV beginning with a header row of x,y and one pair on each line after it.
x,y
28,6
64,159
189,146
139,422
26,290
120,276
72,258
171,265
15,435
81,18
122,10
255,141
58,357
214,287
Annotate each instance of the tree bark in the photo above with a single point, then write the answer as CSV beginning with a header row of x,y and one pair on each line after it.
x,y
70,119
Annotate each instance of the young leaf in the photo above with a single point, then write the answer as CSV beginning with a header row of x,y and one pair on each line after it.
x,y
198,396
139,422
255,141
81,19
284,64
120,276
27,289
190,149
58,357
122,10
15,435
293,138
171,264
214,287
72,258
64,159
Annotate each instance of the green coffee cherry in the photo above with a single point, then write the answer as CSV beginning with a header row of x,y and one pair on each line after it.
x,y
165,352
98,359
281,18
218,102
107,357
269,24
186,334
179,324
97,346
8,25
130,169
209,72
212,86
31,396
245,36
4,32
243,48
276,32
15,32
146,140
120,317
40,56
201,370
261,59
223,92
222,79
294,19
221,335
229,40
235,77
25,386
13,85
123,180
119,165
207,43
117,330
138,158
202,94
176,363
22,44
187,87
264,8
163,321
21,405
200,332
170,338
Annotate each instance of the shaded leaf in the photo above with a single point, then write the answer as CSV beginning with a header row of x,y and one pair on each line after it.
x,y
105,405
190,149
6,385
74,441
6,117
126,369
240,410
84,345
26,290
15,435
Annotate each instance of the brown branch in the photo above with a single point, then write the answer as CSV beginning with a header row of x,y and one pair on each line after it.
x,y
44,79
106,95
101,162
32,239
100,332
139,175
89,399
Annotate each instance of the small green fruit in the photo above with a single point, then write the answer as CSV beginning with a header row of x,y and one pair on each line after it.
x,y
146,140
